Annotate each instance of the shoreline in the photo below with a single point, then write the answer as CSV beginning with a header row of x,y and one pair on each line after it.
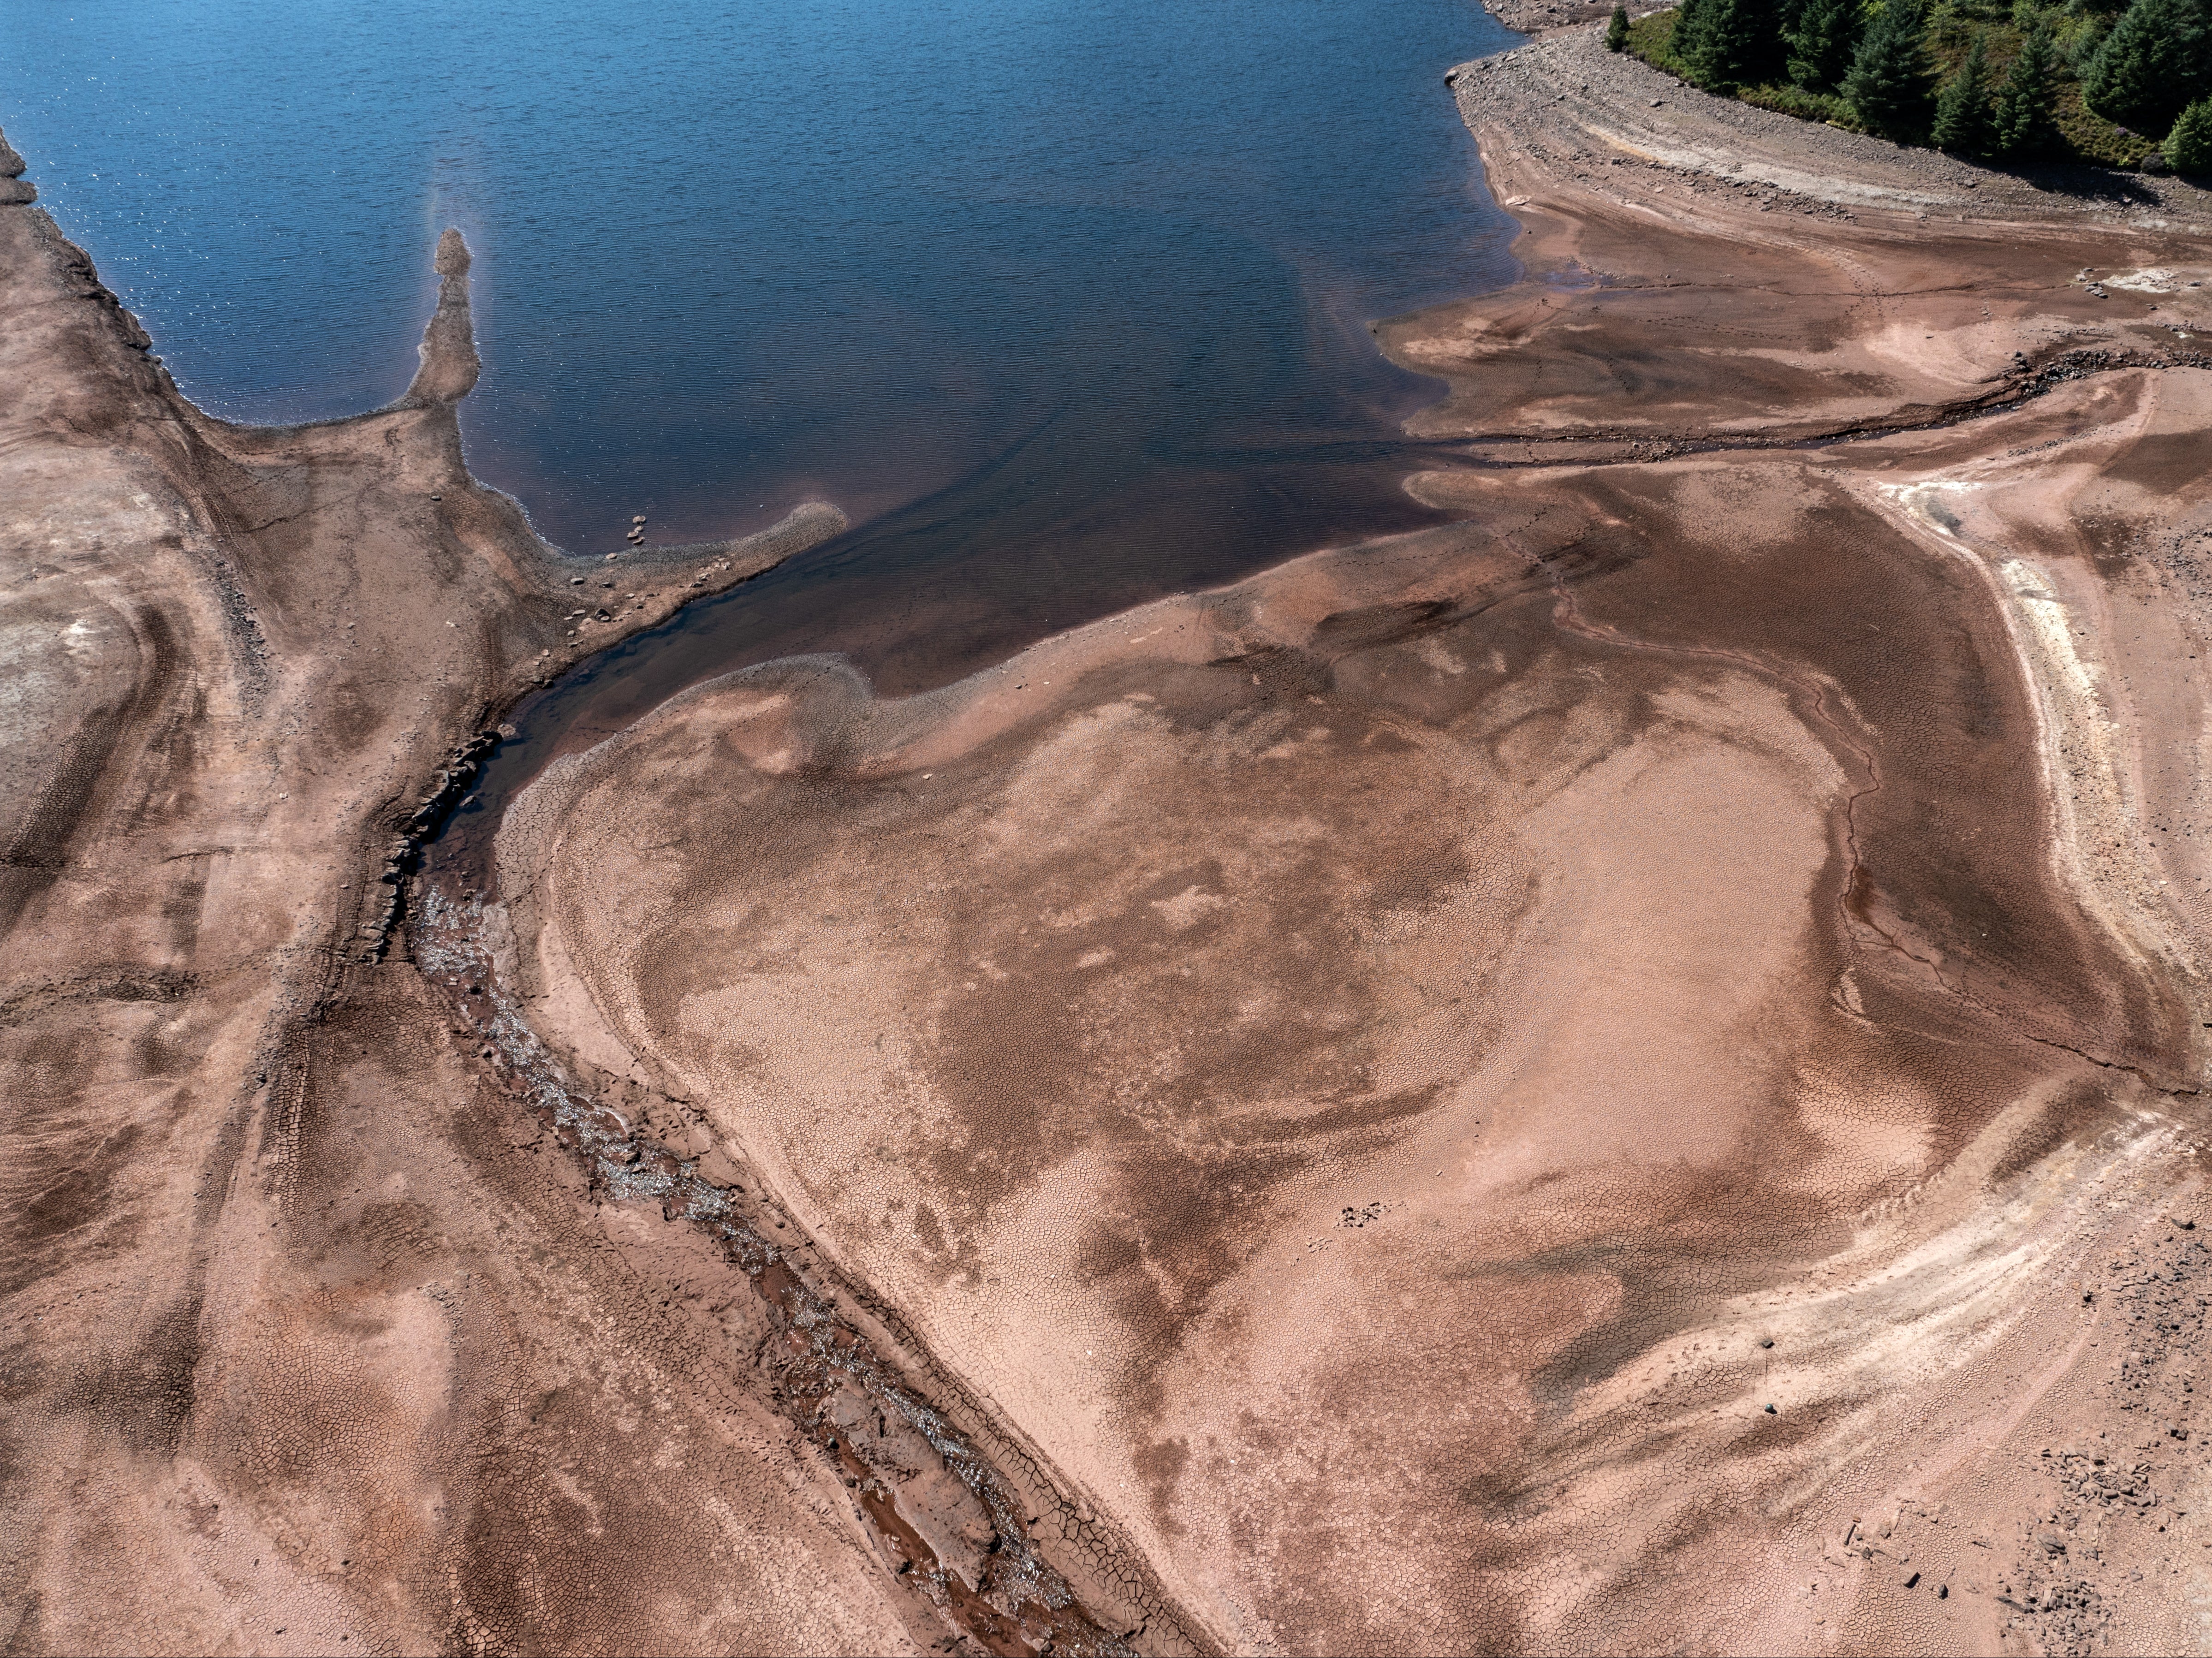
x,y
256,657
297,1140
892,757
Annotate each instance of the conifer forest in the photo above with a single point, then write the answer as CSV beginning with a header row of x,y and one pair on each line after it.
x,y
2124,83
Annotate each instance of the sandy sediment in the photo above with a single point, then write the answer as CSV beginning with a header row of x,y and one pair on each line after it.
x,y
1621,1074
307,1344
1843,300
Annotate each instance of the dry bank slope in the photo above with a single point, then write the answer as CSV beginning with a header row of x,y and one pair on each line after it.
x,y
306,1345
1623,1074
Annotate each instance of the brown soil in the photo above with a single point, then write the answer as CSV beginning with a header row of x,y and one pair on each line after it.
x,y
1621,1074
307,1344
1381,1074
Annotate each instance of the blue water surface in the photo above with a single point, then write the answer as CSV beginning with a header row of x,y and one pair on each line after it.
x,y
1063,300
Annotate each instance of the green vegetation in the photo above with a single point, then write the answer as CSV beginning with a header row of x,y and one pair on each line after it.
x,y
2189,146
2156,62
1652,37
2101,81
2023,126
1805,105
1891,74
1824,42
1616,30
1728,44
1964,116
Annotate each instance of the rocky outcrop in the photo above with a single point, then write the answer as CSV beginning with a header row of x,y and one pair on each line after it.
x,y
450,364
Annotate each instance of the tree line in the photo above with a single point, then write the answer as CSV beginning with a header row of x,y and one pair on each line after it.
x,y
1918,74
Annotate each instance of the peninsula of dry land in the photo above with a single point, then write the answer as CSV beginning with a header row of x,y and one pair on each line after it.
x,y
1626,1074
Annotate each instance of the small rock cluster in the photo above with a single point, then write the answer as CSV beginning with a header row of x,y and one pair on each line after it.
x,y
405,855
2117,1494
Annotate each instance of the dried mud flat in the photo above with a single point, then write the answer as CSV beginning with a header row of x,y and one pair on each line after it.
x,y
1621,1074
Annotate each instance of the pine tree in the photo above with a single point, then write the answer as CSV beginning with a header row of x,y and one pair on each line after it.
x,y
1962,112
1889,81
2189,146
2023,124
1823,42
1687,43
1616,30
1739,44
2156,61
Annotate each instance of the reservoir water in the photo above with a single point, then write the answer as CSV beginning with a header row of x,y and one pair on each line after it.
x,y
1063,300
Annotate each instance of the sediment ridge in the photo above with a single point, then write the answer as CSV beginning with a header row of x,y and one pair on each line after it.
x,y
1620,1073
295,1324
1593,1077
